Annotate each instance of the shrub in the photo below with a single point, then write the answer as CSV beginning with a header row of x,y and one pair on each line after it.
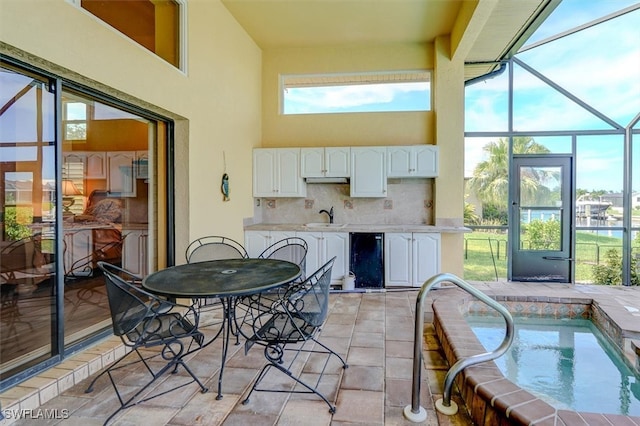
x,y
610,273
543,234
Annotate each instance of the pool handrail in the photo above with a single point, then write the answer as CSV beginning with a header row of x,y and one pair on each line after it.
x,y
415,412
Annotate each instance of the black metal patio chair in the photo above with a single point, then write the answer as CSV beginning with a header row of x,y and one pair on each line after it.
x,y
213,247
145,321
288,329
291,249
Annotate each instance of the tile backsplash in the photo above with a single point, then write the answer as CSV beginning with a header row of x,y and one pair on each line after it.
x,y
409,201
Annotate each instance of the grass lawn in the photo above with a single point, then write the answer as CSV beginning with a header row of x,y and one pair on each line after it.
x,y
486,254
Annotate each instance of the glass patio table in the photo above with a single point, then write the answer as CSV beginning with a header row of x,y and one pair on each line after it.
x,y
226,279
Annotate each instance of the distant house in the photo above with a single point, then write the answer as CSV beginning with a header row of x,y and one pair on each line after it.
x,y
616,199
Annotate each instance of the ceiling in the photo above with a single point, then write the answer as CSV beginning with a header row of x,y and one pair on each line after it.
x,y
491,27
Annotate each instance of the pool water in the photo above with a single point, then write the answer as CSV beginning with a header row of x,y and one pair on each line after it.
x,y
567,363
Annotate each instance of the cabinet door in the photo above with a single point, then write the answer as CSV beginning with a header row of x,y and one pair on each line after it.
x,y
426,257
134,252
337,162
264,174
312,162
255,242
96,167
120,179
399,161
142,164
78,246
289,183
426,161
336,244
315,252
398,259
368,172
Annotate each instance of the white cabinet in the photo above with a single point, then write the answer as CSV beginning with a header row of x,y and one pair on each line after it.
x,y
78,247
121,177
134,251
142,164
255,242
411,258
325,162
92,164
322,247
368,172
412,161
276,173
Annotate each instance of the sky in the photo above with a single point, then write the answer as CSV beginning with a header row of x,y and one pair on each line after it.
x,y
599,65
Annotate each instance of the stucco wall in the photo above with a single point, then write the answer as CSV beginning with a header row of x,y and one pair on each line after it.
x,y
398,128
216,103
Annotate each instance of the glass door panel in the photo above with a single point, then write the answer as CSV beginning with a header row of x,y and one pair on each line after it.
x,y
105,185
27,222
542,213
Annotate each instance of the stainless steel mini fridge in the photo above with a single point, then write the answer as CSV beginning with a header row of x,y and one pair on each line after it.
x,y
367,260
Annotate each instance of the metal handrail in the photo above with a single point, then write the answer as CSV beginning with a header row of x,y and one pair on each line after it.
x,y
415,412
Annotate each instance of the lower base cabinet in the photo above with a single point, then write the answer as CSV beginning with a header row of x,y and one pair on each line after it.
x,y
322,247
255,242
411,258
134,251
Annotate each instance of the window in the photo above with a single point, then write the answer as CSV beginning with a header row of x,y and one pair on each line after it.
x,y
362,92
75,120
154,24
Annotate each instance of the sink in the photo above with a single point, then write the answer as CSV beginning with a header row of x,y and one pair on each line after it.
x,y
325,225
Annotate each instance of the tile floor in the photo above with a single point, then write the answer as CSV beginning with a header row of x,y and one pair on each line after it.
x,y
373,331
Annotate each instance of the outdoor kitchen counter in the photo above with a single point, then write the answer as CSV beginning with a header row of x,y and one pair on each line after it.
x,y
355,227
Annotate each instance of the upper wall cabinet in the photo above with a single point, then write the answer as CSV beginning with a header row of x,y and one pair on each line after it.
x,y
412,161
276,173
368,172
92,163
121,177
325,162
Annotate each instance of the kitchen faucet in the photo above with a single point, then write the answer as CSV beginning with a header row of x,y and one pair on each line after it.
x,y
330,213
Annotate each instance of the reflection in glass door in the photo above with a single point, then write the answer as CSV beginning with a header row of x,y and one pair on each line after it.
x,y
105,192
27,221
541,215
50,243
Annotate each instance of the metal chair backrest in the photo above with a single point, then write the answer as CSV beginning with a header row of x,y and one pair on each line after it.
x,y
214,248
309,300
291,249
129,304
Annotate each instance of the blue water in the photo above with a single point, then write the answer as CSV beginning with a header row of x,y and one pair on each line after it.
x,y
567,363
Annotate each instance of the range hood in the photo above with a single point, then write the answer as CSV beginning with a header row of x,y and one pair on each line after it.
x,y
327,180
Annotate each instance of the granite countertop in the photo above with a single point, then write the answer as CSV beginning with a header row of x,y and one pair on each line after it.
x,y
355,227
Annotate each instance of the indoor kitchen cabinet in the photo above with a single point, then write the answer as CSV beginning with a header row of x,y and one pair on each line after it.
x,y
91,164
412,161
411,258
78,246
322,247
255,242
134,251
121,177
325,162
276,173
368,172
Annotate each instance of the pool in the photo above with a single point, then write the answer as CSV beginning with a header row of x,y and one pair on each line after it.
x,y
568,363
490,398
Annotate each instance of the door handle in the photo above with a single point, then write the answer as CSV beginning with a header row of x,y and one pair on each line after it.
x,y
557,258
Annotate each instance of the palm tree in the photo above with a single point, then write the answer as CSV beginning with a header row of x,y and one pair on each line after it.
x,y
490,181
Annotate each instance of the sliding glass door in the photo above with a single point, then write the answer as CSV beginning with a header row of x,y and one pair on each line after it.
x,y
27,221
79,185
